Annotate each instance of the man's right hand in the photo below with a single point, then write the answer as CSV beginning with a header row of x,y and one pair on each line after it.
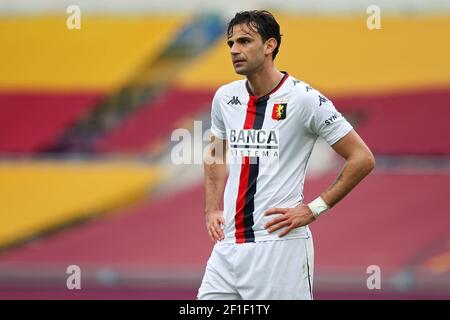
x,y
214,220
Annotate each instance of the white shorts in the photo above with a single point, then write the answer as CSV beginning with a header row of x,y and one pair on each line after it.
x,y
267,270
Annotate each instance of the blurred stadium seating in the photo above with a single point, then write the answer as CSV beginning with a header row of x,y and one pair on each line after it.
x,y
134,135
30,122
86,177
60,193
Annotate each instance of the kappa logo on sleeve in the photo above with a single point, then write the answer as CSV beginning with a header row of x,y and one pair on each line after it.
x,y
322,99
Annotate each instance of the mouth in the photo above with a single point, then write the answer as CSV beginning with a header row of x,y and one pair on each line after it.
x,y
238,61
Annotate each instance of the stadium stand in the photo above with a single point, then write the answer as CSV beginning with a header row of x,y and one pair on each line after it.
x,y
40,53
362,91
392,84
44,89
165,114
403,123
29,122
370,229
317,49
368,114
39,196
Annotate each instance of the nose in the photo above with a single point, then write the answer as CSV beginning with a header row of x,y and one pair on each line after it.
x,y
234,50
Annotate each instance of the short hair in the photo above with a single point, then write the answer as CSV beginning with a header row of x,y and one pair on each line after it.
x,y
260,21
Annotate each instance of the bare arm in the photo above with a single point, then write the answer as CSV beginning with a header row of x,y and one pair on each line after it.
x,y
359,163
215,169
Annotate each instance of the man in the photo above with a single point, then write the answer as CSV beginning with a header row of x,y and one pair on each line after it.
x,y
265,128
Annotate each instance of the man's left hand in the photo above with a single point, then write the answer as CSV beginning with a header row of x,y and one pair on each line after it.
x,y
290,218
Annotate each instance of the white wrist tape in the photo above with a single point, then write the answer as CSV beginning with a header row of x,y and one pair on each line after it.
x,y
318,206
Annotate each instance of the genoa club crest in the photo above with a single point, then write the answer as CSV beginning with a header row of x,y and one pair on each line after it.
x,y
279,111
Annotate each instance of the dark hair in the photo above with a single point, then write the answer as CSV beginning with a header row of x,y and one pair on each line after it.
x,y
260,21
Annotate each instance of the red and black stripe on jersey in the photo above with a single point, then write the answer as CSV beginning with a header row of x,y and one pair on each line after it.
x,y
245,205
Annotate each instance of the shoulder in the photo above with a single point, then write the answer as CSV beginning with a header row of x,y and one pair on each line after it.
x,y
305,95
229,88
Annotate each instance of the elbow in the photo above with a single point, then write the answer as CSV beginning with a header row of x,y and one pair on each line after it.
x,y
365,162
369,162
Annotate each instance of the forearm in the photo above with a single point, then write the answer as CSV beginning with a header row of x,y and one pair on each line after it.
x,y
215,176
215,169
355,169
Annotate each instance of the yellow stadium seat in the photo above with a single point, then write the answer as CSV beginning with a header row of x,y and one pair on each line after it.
x,y
37,196
341,55
41,53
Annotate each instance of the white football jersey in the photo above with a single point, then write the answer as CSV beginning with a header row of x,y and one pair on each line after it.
x,y
270,140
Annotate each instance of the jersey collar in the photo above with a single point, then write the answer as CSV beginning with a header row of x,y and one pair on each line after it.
x,y
266,96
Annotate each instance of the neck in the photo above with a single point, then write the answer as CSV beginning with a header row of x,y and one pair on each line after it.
x,y
264,81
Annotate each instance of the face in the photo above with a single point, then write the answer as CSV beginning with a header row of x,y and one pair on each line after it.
x,y
247,49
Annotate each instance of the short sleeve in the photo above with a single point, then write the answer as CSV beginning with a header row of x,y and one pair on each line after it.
x,y
323,119
217,124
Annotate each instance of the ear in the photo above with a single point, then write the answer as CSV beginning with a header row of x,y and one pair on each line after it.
x,y
270,46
